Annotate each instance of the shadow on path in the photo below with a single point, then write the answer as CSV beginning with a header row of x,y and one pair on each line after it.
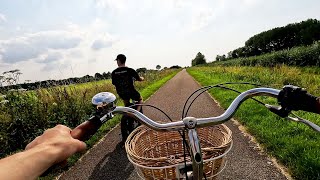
x,y
114,165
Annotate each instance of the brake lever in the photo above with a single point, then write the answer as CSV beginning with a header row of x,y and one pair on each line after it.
x,y
304,121
284,113
278,110
106,117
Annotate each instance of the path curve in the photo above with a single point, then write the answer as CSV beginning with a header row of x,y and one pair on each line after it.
x,y
108,160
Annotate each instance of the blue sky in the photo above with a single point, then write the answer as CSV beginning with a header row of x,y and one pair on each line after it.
x,y
60,39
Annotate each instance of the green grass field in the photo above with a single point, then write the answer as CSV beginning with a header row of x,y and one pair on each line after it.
x,y
294,145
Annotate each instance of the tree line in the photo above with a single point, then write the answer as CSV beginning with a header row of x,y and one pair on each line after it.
x,y
51,83
11,79
280,38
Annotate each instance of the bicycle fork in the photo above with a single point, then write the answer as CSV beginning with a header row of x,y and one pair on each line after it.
x,y
195,149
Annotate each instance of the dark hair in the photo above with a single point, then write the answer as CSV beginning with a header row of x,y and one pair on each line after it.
x,y
122,58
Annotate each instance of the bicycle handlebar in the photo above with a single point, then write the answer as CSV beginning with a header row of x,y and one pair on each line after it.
x,y
286,98
199,122
289,98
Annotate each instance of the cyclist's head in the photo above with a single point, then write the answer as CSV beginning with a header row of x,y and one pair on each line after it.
x,y
121,58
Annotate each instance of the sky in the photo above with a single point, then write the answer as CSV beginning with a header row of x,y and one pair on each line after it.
x,y
59,39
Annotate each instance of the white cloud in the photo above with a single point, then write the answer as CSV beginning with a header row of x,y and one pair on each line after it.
x,y
78,61
50,57
55,39
251,2
180,3
3,18
104,41
51,53
18,49
164,30
202,19
54,65
117,5
99,44
33,45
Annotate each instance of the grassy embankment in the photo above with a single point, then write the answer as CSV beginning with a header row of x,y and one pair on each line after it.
x,y
294,145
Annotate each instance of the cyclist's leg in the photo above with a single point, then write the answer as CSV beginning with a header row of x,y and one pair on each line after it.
x,y
126,102
124,119
135,95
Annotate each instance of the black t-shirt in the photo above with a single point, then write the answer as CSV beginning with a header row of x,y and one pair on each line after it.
x,y
123,77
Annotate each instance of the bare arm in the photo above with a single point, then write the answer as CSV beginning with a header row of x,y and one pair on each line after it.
x,y
54,146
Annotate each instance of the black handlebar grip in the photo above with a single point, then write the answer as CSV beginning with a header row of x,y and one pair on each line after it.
x,y
296,98
85,130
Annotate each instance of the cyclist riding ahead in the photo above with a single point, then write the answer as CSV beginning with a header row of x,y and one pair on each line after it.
x,y
123,79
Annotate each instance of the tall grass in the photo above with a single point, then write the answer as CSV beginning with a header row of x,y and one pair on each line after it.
x,y
25,115
295,145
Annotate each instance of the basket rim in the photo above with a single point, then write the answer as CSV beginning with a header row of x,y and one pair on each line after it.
x,y
182,163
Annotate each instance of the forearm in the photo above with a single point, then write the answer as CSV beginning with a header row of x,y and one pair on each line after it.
x,y
28,164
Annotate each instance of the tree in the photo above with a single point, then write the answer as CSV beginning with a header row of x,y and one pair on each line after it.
x,y
158,67
175,67
297,34
98,76
106,75
11,77
141,70
221,58
2,80
199,59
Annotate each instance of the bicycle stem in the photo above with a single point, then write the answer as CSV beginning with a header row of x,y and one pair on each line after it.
x,y
196,155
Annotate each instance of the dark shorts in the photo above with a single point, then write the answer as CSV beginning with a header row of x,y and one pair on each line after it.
x,y
130,94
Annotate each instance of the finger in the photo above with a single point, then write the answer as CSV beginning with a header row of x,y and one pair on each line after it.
x,y
85,130
62,127
79,146
80,130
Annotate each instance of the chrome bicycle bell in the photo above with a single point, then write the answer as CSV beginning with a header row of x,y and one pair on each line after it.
x,y
105,101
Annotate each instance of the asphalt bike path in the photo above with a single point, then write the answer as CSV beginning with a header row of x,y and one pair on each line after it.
x,y
108,159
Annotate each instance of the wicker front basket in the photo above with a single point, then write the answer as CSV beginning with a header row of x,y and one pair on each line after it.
x,y
159,155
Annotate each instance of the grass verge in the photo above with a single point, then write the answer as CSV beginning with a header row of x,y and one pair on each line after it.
x,y
294,145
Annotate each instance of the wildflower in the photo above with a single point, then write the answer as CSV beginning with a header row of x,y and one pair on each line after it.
x,y
54,104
